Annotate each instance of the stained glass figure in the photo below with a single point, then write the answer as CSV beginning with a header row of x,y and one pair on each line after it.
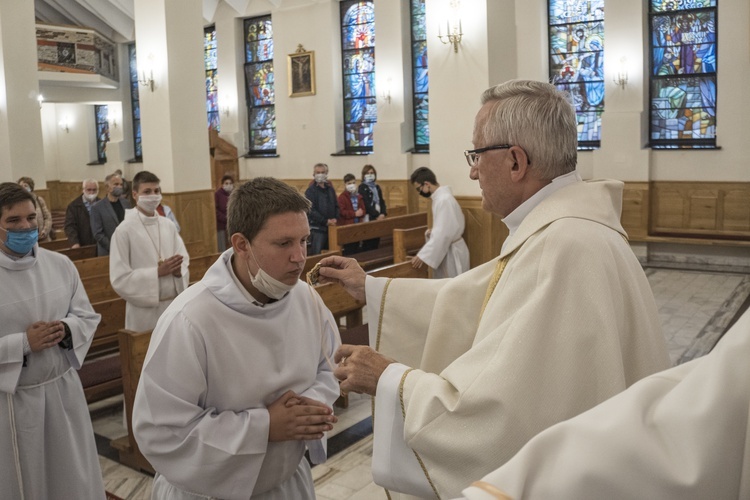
x,y
101,115
683,74
135,105
212,88
420,77
358,63
259,85
576,62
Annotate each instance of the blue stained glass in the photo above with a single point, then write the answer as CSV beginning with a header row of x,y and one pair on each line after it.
x,y
259,81
420,75
359,85
101,115
358,64
362,61
576,61
209,58
673,5
684,43
575,11
212,103
259,51
135,102
683,74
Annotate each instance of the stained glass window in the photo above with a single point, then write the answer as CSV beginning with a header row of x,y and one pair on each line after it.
x,y
212,89
576,61
101,114
259,85
358,61
135,103
420,77
683,74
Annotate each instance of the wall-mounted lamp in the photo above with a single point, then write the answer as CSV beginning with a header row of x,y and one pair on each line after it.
x,y
147,81
112,119
225,105
40,100
621,78
386,95
452,35
65,124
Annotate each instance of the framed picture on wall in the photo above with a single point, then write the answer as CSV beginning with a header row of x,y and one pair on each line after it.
x,y
301,69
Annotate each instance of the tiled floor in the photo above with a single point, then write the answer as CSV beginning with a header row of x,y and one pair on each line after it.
x,y
695,309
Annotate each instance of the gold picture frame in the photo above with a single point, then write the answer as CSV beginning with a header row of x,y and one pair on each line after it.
x,y
301,72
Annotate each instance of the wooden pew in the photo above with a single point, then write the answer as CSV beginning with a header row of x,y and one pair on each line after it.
x,y
92,267
133,348
100,373
338,236
407,242
397,210
87,252
55,245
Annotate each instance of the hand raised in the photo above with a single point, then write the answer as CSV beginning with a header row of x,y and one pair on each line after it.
x,y
297,418
345,271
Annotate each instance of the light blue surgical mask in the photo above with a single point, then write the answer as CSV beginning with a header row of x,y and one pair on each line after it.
x,y
21,241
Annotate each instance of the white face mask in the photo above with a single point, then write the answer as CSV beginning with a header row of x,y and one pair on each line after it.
x,y
320,178
352,188
149,202
89,197
266,284
228,187
370,178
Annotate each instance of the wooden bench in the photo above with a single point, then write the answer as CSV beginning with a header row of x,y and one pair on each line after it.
x,y
133,348
407,242
87,252
55,245
100,373
338,236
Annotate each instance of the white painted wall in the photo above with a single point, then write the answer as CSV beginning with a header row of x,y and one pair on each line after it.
x,y
310,128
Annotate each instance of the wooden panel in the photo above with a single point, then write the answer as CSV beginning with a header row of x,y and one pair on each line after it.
x,y
92,267
196,214
635,209
340,235
719,210
484,233
406,241
87,252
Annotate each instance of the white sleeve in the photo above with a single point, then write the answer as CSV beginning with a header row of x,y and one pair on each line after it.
x,y
373,297
394,464
82,321
139,286
11,361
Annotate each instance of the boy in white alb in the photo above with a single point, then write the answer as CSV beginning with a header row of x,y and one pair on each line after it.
x,y
238,379
148,261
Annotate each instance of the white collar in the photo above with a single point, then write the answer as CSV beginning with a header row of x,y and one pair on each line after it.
x,y
516,217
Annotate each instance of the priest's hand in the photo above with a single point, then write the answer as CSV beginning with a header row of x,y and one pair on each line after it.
x,y
345,271
360,368
298,418
43,335
172,265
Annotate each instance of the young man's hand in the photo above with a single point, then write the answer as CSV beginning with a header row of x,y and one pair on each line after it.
x,y
297,418
43,335
172,265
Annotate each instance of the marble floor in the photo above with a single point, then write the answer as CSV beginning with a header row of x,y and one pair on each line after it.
x,y
695,308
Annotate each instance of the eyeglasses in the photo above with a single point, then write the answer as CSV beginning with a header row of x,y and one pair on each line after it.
x,y
472,155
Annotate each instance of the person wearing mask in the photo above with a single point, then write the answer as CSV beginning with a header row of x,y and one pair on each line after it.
x,y
445,250
372,195
77,216
238,380
148,262
47,447
108,213
351,209
325,208
44,216
221,199
167,212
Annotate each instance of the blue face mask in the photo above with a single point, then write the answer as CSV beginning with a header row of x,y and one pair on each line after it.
x,y
21,241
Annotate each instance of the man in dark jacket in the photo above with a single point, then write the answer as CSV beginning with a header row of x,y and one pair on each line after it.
x,y
77,220
324,210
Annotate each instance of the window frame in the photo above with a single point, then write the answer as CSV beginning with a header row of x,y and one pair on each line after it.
x,y
257,153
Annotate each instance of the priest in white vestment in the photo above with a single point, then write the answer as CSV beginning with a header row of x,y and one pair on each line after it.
x,y
445,250
47,447
469,369
238,379
681,433
148,261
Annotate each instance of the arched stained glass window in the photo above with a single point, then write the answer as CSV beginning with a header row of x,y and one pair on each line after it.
x,y
212,89
576,61
420,77
358,61
101,113
259,85
683,74
135,105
